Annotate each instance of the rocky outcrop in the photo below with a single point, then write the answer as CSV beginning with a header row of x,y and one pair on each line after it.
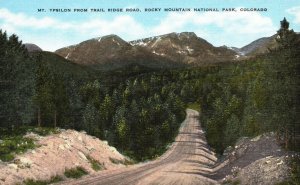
x,y
59,152
255,161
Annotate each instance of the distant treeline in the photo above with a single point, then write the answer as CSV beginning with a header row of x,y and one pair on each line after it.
x,y
139,110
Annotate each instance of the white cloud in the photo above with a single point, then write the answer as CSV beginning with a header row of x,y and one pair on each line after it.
x,y
22,20
8,28
239,22
217,27
295,11
120,25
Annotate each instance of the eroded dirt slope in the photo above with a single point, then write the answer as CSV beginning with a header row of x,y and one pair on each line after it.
x,y
57,153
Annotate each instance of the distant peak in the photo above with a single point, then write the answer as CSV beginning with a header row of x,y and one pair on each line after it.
x,y
181,34
172,34
108,36
188,34
111,37
32,47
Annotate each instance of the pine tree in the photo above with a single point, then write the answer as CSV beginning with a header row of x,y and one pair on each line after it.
x,y
288,65
59,98
286,38
122,128
232,130
3,78
91,120
106,112
42,92
16,81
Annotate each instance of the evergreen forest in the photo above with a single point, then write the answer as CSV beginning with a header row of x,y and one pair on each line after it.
x,y
139,110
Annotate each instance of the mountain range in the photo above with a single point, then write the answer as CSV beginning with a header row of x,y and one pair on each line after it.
x,y
165,51
258,46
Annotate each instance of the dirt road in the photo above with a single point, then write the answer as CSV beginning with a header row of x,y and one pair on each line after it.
x,y
187,162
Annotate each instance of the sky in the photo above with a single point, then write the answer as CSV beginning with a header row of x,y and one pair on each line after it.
x,y
54,30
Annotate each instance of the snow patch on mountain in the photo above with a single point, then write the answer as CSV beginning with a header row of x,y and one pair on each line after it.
x,y
67,56
189,50
116,42
161,54
155,43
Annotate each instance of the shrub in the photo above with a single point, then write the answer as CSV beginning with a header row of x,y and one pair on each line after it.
x,y
14,142
231,182
95,164
7,157
125,162
53,179
128,162
34,182
75,172
43,131
14,145
115,161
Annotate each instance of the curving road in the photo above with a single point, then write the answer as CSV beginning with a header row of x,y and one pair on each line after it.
x,y
187,162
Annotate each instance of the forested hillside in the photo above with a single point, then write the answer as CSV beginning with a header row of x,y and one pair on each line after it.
x,y
136,113
139,110
256,96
